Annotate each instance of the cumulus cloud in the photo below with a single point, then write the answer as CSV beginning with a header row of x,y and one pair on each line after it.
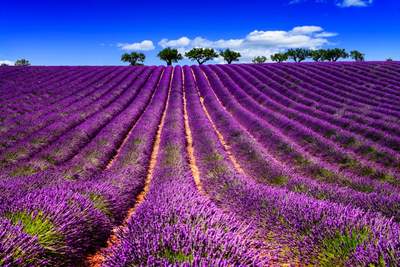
x,y
144,45
8,62
257,42
181,42
355,3
306,29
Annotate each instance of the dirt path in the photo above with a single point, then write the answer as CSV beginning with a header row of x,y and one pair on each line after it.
x,y
189,141
98,258
116,155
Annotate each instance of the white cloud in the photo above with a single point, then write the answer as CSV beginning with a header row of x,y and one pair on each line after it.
x,y
326,34
145,45
181,42
8,62
258,43
306,29
355,3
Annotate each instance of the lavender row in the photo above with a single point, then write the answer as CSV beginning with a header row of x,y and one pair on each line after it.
x,y
175,225
73,231
263,168
331,95
53,132
24,76
275,140
104,146
32,122
39,90
140,91
373,73
322,104
361,88
315,224
350,143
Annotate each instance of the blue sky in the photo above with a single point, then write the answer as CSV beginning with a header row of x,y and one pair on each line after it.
x,y
97,32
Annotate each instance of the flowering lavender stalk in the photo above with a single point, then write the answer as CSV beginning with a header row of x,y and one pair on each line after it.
x,y
175,224
323,230
38,119
76,127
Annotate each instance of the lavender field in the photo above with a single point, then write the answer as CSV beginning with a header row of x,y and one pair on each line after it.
x,y
288,164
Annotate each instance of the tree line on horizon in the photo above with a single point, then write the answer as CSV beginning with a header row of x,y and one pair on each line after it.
x,y
202,55
172,55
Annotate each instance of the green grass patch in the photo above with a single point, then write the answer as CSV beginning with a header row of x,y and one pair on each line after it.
x,y
50,159
367,150
301,160
216,171
336,250
103,142
348,163
36,224
93,157
362,188
213,157
300,188
367,171
386,177
13,156
279,180
172,155
324,174
137,141
100,203
39,141
176,256
23,171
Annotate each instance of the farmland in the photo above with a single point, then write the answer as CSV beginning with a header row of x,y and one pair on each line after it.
x,y
243,164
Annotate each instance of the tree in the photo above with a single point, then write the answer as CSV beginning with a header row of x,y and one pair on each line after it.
x,y
230,55
335,54
389,59
134,58
259,59
22,62
170,55
3,64
201,55
279,57
298,54
357,55
318,55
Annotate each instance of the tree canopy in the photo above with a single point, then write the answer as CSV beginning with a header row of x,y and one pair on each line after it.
x,y
279,57
230,55
259,59
134,58
22,62
357,55
201,55
335,54
298,54
318,55
170,55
